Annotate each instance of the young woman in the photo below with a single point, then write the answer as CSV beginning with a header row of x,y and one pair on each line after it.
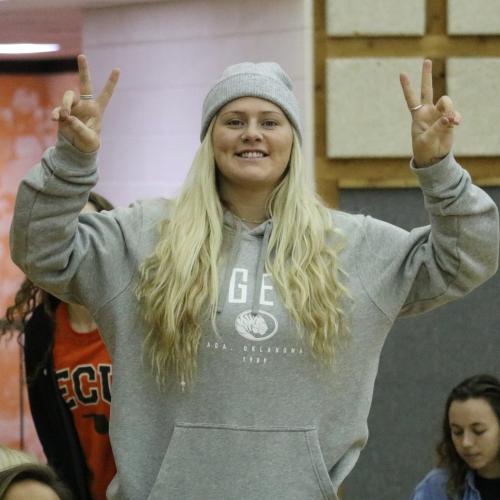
x,y
469,451
246,319
68,372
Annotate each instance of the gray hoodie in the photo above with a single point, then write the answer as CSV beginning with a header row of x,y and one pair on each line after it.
x,y
263,420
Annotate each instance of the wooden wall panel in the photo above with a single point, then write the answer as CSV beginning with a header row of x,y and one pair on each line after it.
x,y
334,174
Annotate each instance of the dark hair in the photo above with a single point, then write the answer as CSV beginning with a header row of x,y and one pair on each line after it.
x,y
485,387
100,203
29,295
36,472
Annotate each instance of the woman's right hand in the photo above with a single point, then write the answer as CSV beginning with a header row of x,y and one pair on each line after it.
x,y
80,120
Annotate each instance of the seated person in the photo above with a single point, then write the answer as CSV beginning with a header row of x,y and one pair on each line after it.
x,y
469,451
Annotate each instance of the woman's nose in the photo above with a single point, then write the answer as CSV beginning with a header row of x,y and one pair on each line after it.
x,y
468,439
251,133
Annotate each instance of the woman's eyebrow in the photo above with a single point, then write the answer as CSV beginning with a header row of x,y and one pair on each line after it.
x,y
239,112
473,424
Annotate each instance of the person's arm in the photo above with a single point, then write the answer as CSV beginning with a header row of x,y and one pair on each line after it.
x,y
410,272
86,258
49,241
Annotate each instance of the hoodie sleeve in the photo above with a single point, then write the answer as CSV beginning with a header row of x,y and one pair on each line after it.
x,y
84,259
412,272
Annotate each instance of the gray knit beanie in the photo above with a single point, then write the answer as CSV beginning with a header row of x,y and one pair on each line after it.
x,y
266,80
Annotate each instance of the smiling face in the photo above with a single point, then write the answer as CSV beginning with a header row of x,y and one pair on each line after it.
x,y
475,431
252,141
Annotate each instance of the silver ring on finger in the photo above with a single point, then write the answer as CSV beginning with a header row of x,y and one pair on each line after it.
x,y
86,97
416,108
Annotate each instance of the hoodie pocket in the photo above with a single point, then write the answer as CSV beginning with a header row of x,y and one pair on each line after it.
x,y
222,462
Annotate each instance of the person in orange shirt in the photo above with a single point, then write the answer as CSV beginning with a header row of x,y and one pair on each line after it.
x,y
68,371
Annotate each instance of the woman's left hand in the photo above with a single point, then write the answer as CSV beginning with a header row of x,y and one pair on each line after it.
x,y
432,125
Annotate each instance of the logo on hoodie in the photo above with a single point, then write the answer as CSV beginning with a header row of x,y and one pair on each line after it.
x,y
256,327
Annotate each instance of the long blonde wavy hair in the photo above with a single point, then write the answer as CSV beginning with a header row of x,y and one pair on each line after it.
x,y
178,283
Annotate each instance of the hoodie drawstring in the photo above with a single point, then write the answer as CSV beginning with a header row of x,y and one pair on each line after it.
x,y
259,272
233,255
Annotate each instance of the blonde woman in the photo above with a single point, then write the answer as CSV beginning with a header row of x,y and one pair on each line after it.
x,y
245,319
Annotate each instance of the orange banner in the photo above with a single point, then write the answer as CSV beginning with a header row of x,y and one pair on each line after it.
x,y
25,132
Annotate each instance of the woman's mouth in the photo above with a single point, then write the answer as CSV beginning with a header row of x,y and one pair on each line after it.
x,y
252,155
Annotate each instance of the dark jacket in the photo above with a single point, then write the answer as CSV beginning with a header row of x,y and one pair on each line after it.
x,y
52,418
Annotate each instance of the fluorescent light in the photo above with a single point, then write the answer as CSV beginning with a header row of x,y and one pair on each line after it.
x,y
28,48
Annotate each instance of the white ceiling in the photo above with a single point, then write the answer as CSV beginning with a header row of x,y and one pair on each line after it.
x,y
49,21
9,5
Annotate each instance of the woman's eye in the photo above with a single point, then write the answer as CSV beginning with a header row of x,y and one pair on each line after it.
x,y
234,122
457,433
478,433
270,124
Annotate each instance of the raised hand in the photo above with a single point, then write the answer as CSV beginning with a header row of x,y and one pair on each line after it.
x,y
80,117
432,124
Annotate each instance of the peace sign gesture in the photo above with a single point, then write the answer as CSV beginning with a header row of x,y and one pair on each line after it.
x,y
80,117
432,125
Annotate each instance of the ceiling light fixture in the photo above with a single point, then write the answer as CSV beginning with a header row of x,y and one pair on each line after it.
x,y
28,48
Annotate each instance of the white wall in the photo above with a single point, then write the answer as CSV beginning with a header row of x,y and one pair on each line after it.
x,y
170,54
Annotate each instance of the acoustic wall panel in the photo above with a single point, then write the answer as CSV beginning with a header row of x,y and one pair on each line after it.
x,y
474,86
367,115
375,17
480,17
